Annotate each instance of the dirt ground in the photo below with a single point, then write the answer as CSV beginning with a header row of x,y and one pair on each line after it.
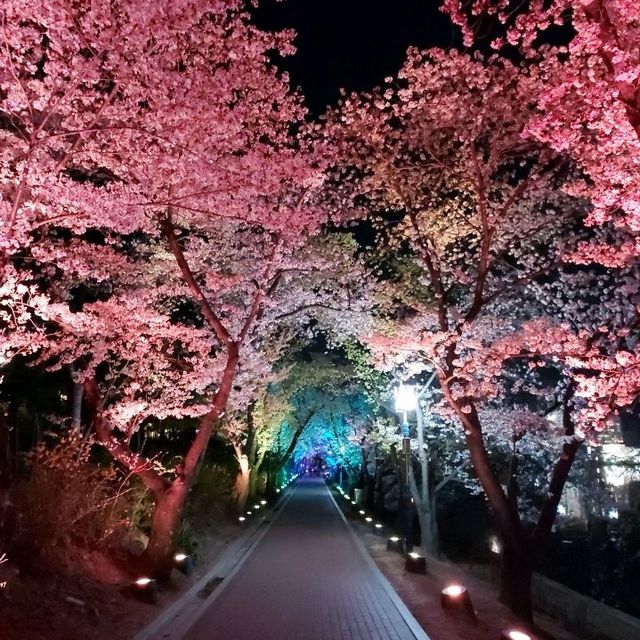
x,y
421,595
86,599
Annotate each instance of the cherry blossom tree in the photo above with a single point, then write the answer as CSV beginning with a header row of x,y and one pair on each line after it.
x,y
181,136
481,213
593,80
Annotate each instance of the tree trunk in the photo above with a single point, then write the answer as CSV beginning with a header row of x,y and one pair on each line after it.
x,y
515,582
254,474
170,497
424,495
241,487
428,531
165,529
77,393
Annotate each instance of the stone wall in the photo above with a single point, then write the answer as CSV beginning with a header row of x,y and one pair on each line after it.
x,y
584,616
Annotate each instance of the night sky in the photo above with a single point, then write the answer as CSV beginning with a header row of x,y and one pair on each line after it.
x,y
352,43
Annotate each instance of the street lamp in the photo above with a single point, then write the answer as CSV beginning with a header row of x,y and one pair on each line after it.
x,y
405,400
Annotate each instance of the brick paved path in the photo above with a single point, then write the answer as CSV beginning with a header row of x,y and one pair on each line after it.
x,y
306,580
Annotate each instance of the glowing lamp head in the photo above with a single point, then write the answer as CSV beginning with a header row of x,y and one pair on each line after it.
x,y
518,635
394,539
249,513
361,512
353,502
405,398
414,555
144,582
263,502
454,590
368,519
277,490
377,525
241,519
256,506
180,557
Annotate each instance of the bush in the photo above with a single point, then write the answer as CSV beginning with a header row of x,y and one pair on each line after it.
x,y
64,497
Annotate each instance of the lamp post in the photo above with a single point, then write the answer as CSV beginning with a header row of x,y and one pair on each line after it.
x,y
405,400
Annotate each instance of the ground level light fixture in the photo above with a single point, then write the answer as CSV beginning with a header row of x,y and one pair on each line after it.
x,y
415,563
515,634
183,563
395,544
145,589
456,599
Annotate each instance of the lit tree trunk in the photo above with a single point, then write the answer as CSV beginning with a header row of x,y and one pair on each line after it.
x,y
241,487
516,561
520,550
280,464
423,500
245,455
169,496
424,496
165,530
254,474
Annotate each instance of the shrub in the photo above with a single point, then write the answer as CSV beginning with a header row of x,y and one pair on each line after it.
x,y
64,497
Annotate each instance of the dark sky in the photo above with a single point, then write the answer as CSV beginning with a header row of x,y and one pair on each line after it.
x,y
352,43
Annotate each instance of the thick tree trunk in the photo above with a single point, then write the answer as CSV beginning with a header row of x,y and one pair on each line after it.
x,y
241,488
165,530
515,582
170,497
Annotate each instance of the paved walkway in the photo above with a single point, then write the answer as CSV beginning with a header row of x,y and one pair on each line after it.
x,y
306,580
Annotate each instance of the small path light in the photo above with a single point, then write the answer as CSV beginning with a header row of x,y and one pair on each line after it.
x,y
145,589
249,513
183,563
263,502
456,598
395,544
415,563
278,490
378,527
368,519
353,502
514,634
256,507
241,519
361,512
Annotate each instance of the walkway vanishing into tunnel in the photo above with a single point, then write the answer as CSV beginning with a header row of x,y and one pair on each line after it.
x,y
307,579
